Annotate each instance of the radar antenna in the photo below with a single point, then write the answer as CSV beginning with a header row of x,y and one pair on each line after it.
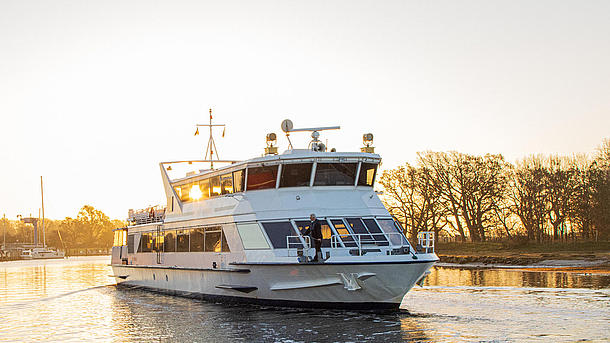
x,y
315,144
211,148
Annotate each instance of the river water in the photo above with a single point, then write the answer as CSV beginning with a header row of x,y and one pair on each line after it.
x,y
76,300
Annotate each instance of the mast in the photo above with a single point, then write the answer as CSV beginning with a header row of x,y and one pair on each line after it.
x,y
211,148
4,226
44,240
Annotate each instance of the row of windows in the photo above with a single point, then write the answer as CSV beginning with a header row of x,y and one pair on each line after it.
x,y
209,239
380,232
292,175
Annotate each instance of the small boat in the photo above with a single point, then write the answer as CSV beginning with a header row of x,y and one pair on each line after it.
x,y
41,253
237,232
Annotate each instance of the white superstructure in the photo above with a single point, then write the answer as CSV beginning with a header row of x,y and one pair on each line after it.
x,y
234,233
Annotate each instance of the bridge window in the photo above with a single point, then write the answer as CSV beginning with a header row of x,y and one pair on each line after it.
x,y
277,233
367,174
295,175
343,232
238,181
358,228
326,230
252,237
169,243
389,226
261,177
215,186
375,231
226,183
335,174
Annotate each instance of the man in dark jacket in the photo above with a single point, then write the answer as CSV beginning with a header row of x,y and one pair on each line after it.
x,y
315,232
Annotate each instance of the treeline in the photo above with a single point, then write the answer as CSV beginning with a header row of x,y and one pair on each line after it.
x,y
90,229
478,198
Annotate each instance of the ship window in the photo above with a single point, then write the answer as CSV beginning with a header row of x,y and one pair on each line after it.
x,y
326,230
182,241
388,226
375,231
252,237
158,241
335,174
145,243
238,181
359,228
367,174
130,243
196,240
226,183
277,233
343,232
215,185
295,175
169,243
261,178
212,239
204,186
183,192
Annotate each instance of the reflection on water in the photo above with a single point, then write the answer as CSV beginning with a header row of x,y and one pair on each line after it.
x,y
76,300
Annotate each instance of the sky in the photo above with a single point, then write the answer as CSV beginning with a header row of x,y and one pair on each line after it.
x,y
94,94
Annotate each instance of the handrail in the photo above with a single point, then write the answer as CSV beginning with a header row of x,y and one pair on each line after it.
x,y
305,243
425,241
335,240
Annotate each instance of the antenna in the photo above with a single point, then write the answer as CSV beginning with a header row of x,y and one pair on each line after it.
x,y
211,148
315,144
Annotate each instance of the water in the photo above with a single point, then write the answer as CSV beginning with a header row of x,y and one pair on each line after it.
x,y
76,300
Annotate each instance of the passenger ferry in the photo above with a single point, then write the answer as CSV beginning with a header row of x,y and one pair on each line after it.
x,y
234,232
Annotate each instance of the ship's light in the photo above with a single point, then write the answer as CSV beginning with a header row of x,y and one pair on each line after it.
x,y
195,193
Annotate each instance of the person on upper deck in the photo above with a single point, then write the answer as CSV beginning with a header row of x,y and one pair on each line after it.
x,y
315,232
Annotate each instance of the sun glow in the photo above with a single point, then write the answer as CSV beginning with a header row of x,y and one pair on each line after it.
x,y
195,192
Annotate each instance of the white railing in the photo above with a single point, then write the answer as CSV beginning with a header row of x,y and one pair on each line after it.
x,y
298,243
425,241
387,241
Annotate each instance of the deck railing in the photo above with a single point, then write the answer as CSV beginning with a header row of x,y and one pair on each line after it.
x,y
425,242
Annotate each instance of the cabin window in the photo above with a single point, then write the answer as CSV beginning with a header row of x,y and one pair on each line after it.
x,y
375,231
238,181
224,246
343,233
252,237
169,243
146,243
130,243
326,230
261,177
295,175
158,238
215,186
226,183
335,174
213,239
182,241
358,228
204,186
183,193
389,226
277,233
367,174
196,240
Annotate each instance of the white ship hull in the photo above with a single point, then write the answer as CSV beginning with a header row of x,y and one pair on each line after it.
x,y
372,286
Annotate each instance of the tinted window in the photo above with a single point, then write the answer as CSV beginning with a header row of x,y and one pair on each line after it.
x,y
226,183
343,233
169,243
295,175
375,231
387,225
145,243
335,174
277,232
261,177
358,228
196,240
182,241
224,244
204,186
238,181
158,241
130,242
212,239
367,174
251,236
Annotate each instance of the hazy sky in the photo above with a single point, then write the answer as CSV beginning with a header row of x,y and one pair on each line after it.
x,y
93,94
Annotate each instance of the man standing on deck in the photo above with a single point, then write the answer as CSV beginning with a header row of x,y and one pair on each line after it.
x,y
315,232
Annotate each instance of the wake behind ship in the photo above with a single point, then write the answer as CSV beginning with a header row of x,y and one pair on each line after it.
x,y
235,233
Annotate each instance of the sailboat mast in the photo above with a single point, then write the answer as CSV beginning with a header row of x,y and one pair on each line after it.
x,y
44,240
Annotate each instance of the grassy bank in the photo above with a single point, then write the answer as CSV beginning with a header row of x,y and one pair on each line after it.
x,y
522,253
